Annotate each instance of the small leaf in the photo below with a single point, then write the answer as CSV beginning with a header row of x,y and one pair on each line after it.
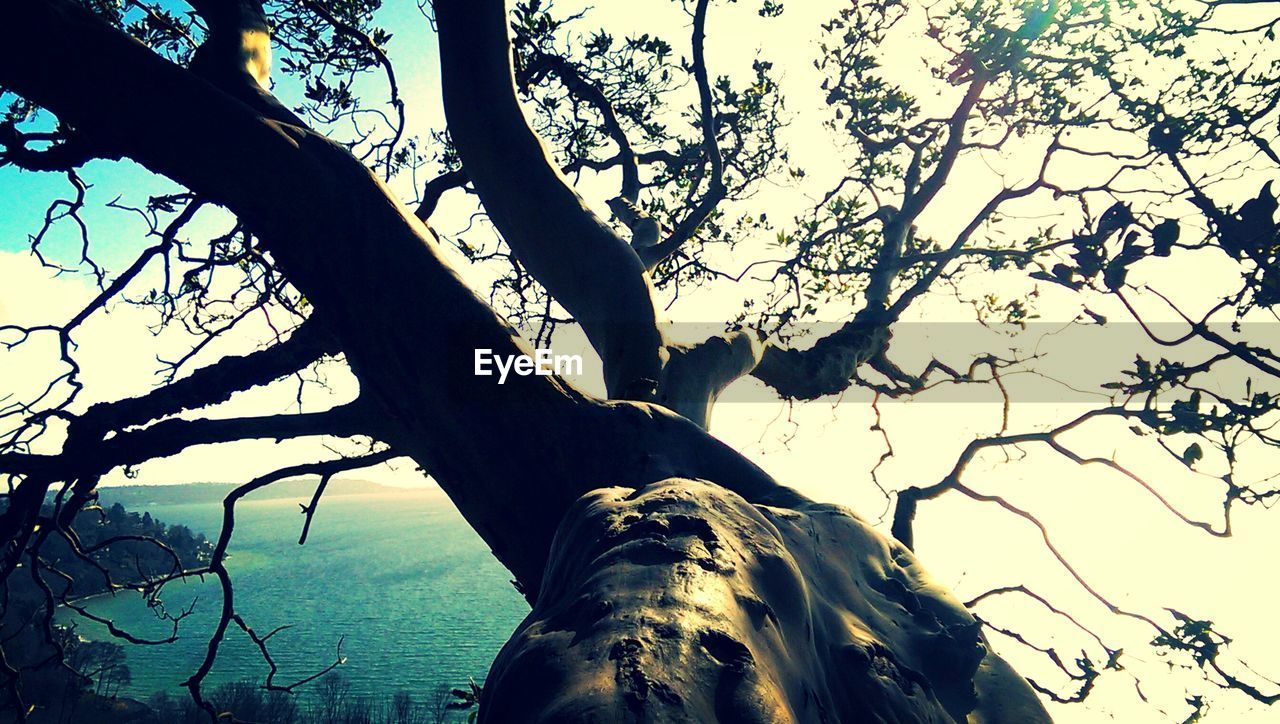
x,y
1192,454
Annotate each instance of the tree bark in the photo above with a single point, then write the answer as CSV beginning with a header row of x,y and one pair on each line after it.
x,y
683,602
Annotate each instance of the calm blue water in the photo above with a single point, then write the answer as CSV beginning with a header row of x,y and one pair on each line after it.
x,y
416,594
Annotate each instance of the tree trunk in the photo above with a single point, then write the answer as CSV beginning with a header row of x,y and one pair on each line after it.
x,y
682,601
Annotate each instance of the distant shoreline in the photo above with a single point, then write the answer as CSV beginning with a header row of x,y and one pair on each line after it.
x,y
138,497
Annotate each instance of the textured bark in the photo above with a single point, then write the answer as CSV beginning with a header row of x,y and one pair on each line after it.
x,y
827,367
683,602
695,375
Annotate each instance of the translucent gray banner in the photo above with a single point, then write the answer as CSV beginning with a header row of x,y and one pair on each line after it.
x,y
1039,363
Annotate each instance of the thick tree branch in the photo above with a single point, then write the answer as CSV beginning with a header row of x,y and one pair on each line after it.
x,y
236,54
435,188
828,366
585,266
695,375
64,152
917,200
170,437
205,387
217,382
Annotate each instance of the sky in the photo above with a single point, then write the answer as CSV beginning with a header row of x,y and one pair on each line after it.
x,y
1128,547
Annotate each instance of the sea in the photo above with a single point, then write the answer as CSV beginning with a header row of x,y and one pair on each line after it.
x,y
395,583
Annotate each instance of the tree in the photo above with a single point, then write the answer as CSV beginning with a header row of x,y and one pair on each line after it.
x,y
402,708
436,706
703,587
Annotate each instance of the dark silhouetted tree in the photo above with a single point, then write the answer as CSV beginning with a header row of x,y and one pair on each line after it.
x,y
670,578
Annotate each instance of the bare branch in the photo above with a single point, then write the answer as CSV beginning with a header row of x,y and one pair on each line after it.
x,y
716,189
217,566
